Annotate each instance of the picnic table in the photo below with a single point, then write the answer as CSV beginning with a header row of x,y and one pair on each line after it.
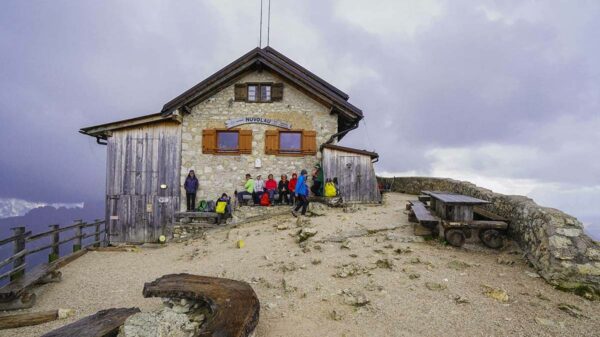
x,y
456,214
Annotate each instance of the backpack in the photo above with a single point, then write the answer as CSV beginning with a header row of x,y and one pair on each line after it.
x,y
221,206
201,206
210,206
330,190
264,200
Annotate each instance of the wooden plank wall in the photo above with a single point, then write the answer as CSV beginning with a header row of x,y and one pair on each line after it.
x,y
139,160
355,173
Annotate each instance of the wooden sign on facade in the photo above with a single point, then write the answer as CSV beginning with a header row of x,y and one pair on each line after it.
x,y
257,120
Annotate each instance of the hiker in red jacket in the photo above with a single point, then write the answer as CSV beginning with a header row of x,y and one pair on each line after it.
x,y
271,187
292,188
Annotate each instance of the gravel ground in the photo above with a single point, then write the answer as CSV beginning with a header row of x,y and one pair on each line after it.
x,y
399,287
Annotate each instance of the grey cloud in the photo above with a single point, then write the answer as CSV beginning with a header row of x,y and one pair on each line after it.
x,y
462,81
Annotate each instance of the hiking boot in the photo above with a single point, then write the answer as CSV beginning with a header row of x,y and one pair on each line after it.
x,y
294,214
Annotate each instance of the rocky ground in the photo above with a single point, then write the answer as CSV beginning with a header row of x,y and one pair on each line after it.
x,y
357,272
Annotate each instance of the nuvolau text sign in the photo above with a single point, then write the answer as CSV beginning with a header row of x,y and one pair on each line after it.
x,y
257,120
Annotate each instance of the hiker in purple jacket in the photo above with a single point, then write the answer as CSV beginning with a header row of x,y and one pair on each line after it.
x,y
191,187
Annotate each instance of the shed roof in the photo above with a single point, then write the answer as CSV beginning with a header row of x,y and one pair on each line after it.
x,y
371,154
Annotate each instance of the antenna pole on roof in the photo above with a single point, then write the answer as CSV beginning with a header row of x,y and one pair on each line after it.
x,y
269,24
260,30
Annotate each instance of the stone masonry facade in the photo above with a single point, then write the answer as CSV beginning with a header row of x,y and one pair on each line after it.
x,y
554,242
218,173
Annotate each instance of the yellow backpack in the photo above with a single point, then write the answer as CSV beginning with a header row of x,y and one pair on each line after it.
x,y
330,190
221,206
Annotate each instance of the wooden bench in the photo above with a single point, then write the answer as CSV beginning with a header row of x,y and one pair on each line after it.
x,y
212,216
424,198
423,215
104,323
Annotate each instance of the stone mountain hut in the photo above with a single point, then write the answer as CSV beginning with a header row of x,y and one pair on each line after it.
x,y
261,114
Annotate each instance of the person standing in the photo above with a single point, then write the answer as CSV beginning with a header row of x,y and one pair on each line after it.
x,y
317,177
191,187
301,194
284,190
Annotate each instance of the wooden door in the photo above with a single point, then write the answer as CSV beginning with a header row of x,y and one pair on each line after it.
x,y
142,183
350,181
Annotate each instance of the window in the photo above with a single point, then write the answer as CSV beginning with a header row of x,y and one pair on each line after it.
x,y
258,92
252,89
290,142
228,141
265,93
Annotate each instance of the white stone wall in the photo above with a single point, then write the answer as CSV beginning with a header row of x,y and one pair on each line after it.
x,y
225,173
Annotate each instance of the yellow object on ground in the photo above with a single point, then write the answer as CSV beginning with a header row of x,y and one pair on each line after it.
x,y
240,244
162,239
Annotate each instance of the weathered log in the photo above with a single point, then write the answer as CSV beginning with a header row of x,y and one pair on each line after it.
x,y
104,323
234,305
33,318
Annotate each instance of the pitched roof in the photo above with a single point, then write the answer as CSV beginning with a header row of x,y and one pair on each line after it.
x,y
257,58
269,58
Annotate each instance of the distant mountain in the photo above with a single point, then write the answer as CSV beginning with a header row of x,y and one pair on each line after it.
x,y
38,219
11,207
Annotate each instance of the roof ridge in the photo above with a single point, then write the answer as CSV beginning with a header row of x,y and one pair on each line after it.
x,y
272,51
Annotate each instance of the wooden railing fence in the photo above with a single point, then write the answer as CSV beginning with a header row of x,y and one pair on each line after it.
x,y
22,239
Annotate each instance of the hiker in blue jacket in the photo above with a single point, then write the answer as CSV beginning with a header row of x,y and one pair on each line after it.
x,y
191,187
301,194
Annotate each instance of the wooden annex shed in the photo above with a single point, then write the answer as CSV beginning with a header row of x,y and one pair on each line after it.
x,y
354,171
261,114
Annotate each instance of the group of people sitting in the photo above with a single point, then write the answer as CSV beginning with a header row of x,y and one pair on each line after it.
x,y
268,192
282,192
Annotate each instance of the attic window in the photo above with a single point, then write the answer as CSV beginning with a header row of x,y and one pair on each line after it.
x,y
252,91
259,92
265,93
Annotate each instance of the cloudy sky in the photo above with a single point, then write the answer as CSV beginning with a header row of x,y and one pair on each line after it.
x,y
503,93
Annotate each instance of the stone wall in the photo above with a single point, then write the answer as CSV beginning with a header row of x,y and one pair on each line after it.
x,y
225,173
554,242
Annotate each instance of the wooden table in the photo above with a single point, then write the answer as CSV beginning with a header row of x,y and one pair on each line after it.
x,y
452,206
456,212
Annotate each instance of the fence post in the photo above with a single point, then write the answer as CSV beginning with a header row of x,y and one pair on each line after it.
x,y
78,232
55,249
19,245
97,236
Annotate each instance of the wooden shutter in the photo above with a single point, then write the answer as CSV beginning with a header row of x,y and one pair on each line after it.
x,y
241,92
245,142
209,141
277,92
309,142
271,142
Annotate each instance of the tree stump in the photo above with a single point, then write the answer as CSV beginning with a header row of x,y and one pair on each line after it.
x,y
234,305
